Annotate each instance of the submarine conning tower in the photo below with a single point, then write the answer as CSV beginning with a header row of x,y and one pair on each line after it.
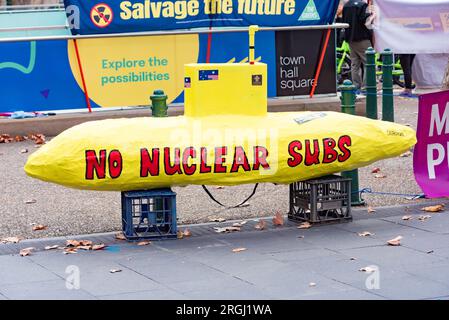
x,y
226,88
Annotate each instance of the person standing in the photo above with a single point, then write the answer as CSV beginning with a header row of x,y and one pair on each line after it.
x,y
406,61
358,36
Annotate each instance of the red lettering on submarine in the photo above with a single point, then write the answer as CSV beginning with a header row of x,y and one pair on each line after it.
x,y
190,160
332,151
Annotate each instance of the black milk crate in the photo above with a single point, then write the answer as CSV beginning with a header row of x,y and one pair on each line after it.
x,y
322,200
149,214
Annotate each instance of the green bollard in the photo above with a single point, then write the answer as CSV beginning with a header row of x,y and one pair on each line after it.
x,y
159,104
348,106
387,86
371,84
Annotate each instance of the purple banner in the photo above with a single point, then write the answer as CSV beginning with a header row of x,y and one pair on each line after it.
x,y
431,155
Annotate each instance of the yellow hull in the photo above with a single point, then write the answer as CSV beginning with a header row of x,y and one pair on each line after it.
x,y
145,153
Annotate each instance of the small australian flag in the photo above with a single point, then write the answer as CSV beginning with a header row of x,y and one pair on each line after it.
x,y
187,82
208,75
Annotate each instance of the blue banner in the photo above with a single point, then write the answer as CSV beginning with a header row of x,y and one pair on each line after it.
x,y
113,16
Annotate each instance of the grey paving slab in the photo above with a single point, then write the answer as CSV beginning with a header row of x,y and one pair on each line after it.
x,y
437,272
213,284
160,294
126,281
301,255
441,252
44,290
17,269
243,292
411,287
394,256
180,271
438,222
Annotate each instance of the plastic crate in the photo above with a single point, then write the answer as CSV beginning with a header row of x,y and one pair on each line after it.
x,y
149,214
323,200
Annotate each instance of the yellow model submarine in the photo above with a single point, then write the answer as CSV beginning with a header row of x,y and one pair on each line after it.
x,y
226,137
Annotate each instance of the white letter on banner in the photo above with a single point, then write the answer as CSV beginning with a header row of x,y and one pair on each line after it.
x,y
431,162
439,122
73,16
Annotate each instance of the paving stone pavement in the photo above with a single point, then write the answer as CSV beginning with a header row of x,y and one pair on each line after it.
x,y
281,262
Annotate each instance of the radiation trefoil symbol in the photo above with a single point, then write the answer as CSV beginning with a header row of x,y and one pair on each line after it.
x,y
101,15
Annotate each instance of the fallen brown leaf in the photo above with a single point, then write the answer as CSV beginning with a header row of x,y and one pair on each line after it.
x,y
261,225
238,249
11,240
72,243
375,170
367,269
365,234
39,227
87,248
278,219
216,219
120,236
51,247
179,234
26,252
371,210
85,243
395,242
187,232
100,246
436,208
115,270
407,218
226,229
144,243
19,138
70,250
304,225
219,187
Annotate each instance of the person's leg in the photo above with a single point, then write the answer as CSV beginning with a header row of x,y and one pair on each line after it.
x,y
406,65
364,45
355,65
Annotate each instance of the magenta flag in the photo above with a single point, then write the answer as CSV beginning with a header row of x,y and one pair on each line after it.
x,y
431,154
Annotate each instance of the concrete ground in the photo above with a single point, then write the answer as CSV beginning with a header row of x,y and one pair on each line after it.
x,y
69,212
283,262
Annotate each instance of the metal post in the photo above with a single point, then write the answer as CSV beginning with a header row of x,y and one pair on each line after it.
x,y
348,106
159,104
387,86
371,84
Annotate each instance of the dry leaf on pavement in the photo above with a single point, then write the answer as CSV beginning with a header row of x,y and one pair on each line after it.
x,y
278,219
85,243
365,234
26,252
304,225
72,243
179,234
424,217
375,170
216,219
10,240
261,225
120,236
395,242
238,249
371,210
39,227
70,250
367,269
100,246
226,229
437,208
219,187
187,232
87,248
51,247
407,218
144,243
115,270
31,201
